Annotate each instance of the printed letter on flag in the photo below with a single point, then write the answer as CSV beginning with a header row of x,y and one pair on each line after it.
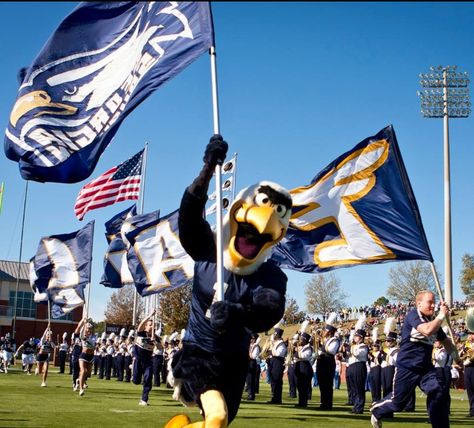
x,y
119,183
60,270
360,209
156,257
104,59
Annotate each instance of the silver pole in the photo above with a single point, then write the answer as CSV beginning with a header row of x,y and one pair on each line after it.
x,y
17,286
219,246
90,277
440,294
234,177
140,211
448,286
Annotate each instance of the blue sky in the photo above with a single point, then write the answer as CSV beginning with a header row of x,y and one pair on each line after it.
x,y
299,84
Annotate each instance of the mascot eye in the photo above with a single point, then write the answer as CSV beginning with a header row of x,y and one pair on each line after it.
x,y
281,210
71,91
262,199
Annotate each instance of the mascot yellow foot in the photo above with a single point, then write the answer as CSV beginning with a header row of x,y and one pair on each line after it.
x,y
215,409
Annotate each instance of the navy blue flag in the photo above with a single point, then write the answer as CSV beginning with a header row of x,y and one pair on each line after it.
x,y
360,209
104,59
60,270
116,272
156,257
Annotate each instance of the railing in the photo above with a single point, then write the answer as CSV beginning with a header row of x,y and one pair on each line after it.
x,y
6,311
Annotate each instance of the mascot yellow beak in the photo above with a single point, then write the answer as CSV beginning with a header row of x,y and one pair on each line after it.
x,y
257,220
38,99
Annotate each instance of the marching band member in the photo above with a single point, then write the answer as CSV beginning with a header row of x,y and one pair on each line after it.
x,y
63,347
88,341
414,365
120,355
467,354
109,356
46,347
326,362
391,350
376,357
102,355
143,364
128,359
358,366
252,375
75,354
290,363
303,369
442,364
158,360
277,366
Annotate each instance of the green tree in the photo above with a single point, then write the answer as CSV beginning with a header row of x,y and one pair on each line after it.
x,y
324,294
409,278
292,315
119,308
466,277
382,300
173,310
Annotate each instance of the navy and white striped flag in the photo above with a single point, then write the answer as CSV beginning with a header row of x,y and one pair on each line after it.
x,y
104,59
360,209
60,270
116,271
118,184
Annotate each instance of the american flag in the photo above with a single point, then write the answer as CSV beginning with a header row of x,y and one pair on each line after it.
x,y
119,183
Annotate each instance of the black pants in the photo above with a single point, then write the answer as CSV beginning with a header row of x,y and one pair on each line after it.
x,y
101,367
96,364
276,373
387,380
292,380
109,362
62,361
359,376
119,364
375,381
75,369
252,380
325,369
157,367
469,385
304,375
128,371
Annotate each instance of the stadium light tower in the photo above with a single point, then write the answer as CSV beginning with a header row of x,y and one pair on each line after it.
x,y
445,94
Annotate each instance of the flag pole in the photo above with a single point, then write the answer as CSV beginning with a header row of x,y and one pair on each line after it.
x,y
90,276
140,211
17,286
234,179
440,293
218,170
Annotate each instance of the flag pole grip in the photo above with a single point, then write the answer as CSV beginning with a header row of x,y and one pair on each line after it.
x,y
441,297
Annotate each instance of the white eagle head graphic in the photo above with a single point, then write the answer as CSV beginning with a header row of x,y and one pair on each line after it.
x,y
65,104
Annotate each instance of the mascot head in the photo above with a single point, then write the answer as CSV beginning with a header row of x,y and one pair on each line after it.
x,y
256,221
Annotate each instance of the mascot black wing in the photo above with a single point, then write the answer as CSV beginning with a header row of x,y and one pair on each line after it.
x,y
211,368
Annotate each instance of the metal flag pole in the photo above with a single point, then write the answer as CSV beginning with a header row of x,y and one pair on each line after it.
x,y
140,211
234,177
440,293
17,286
90,276
218,175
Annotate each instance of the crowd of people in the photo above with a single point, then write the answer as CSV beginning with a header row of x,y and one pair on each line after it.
x,y
316,356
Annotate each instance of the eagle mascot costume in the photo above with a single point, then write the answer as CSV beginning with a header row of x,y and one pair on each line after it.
x,y
211,367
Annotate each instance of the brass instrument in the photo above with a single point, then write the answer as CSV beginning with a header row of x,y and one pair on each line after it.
x,y
467,353
292,348
266,351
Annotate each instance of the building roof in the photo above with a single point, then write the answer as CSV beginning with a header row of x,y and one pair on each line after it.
x,y
9,271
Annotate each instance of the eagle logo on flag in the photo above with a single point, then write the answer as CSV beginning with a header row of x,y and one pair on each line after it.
x,y
76,93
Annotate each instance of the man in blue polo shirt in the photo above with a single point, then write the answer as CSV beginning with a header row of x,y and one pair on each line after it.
x,y
414,365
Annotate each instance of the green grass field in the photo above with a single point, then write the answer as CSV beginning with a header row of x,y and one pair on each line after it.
x,y
23,403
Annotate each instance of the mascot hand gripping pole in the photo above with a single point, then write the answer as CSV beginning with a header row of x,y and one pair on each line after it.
x,y
211,367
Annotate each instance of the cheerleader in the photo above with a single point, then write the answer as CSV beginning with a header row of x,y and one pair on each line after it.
x,y
88,342
46,347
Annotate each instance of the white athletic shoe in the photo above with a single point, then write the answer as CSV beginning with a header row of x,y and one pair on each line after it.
x,y
143,403
376,423
81,392
43,384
